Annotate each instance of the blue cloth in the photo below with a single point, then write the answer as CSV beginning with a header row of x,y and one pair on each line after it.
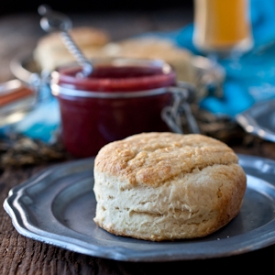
x,y
252,78
41,123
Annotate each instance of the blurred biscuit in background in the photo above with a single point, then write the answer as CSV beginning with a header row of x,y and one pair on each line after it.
x,y
51,52
155,48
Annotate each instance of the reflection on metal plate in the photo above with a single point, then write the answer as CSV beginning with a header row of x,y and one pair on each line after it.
x,y
259,120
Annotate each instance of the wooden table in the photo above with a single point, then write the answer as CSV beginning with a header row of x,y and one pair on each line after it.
x,y
21,255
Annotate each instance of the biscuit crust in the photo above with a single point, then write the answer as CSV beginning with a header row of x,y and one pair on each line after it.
x,y
166,186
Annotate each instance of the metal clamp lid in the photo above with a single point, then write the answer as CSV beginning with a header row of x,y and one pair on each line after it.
x,y
183,94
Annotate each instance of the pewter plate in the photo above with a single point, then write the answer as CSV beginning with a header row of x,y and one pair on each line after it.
x,y
57,207
259,120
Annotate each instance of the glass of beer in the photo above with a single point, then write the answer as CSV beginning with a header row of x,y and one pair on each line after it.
x,y
222,27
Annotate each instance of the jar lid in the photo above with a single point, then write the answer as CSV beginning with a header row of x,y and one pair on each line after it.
x,y
117,75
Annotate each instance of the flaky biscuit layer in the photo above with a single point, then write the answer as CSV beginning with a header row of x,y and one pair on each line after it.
x,y
165,186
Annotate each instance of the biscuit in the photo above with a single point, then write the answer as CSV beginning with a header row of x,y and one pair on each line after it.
x,y
167,186
51,52
155,48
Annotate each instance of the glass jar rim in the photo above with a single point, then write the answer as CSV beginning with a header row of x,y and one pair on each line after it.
x,y
58,90
66,76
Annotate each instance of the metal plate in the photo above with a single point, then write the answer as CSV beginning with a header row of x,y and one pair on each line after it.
x,y
259,120
57,207
25,68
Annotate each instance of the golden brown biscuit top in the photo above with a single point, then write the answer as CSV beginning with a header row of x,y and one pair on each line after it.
x,y
154,158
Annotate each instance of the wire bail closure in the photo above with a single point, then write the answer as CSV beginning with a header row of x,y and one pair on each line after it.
x,y
183,94
54,21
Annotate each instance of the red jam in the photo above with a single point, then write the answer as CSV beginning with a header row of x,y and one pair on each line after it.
x,y
112,103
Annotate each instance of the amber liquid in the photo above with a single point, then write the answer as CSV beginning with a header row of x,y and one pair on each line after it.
x,y
222,26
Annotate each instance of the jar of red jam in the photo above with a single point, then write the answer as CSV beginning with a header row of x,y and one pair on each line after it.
x,y
121,97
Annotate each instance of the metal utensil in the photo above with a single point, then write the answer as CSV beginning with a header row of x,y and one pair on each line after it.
x,y
183,96
54,21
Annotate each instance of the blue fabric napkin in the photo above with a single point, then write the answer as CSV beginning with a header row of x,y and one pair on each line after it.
x,y
250,79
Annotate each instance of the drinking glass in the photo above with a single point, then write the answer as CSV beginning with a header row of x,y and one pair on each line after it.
x,y
222,27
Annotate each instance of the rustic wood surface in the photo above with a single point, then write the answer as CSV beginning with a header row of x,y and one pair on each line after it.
x,y
20,255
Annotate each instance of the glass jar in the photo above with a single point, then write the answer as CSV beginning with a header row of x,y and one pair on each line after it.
x,y
120,98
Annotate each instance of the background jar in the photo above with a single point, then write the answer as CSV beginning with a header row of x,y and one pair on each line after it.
x,y
120,98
